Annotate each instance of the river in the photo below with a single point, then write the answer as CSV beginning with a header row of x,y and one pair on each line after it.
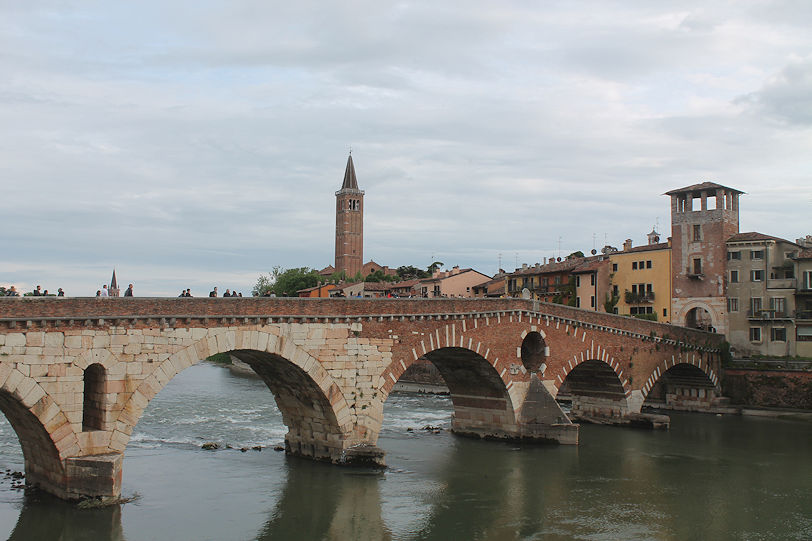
x,y
709,477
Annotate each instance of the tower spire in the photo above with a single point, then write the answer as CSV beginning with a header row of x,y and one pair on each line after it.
x,y
350,182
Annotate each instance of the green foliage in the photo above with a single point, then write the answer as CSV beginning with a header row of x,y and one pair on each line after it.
x,y
434,266
285,283
408,272
610,303
648,317
579,253
219,358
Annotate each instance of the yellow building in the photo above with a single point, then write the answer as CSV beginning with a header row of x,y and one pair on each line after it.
x,y
640,279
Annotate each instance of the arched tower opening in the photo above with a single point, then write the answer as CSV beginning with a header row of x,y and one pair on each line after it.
x,y
93,404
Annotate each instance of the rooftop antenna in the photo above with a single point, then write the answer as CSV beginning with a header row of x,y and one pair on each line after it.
x,y
499,268
594,241
517,260
559,246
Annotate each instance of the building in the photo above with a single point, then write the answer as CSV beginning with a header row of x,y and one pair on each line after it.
x,y
548,282
803,298
592,283
495,288
703,217
761,290
349,224
640,279
456,282
319,291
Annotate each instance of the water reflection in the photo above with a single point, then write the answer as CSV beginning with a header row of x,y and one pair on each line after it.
x,y
707,478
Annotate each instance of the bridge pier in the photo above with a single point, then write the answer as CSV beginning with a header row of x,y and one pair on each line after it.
x,y
94,476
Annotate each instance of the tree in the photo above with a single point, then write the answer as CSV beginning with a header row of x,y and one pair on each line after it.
x,y
434,266
285,283
579,253
408,272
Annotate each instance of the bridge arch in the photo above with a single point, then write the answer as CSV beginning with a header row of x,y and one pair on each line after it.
x,y
42,428
482,389
596,387
312,405
682,384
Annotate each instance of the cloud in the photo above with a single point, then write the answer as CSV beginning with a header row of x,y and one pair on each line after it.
x,y
786,97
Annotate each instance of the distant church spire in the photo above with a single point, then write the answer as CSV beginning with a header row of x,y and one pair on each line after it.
x,y
350,182
349,223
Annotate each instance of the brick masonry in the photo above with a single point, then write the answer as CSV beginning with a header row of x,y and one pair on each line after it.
x,y
330,364
769,388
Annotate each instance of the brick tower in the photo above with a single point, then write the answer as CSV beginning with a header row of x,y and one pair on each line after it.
x,y
703,217
349,224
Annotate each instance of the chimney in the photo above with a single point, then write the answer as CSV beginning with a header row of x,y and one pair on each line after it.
x,y
524,266
627,245
545,260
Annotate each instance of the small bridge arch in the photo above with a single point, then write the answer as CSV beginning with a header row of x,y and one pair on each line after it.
x,y
684,384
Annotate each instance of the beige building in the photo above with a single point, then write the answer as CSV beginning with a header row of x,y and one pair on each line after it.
x,y
456,282
592,283
761,294
803,298
640,279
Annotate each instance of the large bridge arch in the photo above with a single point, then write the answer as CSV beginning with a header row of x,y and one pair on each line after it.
x,y
42,428
313,407
482,389
595,386
686,384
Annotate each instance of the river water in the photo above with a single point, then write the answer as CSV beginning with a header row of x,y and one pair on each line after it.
x,y
708,477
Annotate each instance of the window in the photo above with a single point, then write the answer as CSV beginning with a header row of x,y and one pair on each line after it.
x,y
755,306
756,254
615,292
756,275
557,280
807,279
614,267
734,255
778,334
805,334
577,302
592,279
648,264
779,305
592,301
733,304
649,289
665,312
734,277
641,265
577,281
697,233
634,265
697,265
755,334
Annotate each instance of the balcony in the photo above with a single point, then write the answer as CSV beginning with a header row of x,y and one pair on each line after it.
x,y
768,314
803,314
637,298
781,283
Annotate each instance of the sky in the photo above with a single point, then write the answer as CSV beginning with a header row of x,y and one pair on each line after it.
x,y
200,144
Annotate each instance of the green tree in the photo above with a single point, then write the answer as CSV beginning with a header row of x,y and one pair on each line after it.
x,y
285,283
434,266
579,253
408,272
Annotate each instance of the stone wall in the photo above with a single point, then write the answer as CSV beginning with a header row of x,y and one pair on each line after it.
x,y
768,388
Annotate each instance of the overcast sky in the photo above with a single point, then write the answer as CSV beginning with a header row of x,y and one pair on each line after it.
x,y
194,144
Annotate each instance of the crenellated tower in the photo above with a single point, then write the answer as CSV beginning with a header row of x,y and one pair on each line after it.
x,y
349,224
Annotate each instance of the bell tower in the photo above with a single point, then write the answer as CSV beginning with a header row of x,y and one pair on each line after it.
x,y
349,224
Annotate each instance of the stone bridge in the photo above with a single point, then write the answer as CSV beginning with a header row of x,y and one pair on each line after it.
x,y
77,373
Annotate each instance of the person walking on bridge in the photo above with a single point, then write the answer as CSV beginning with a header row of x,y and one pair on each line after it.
x,y
129,292
213,292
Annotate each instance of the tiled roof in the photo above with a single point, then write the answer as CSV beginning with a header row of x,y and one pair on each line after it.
x,y
643,248
558,266
804,254
590,266
704,186
753,235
